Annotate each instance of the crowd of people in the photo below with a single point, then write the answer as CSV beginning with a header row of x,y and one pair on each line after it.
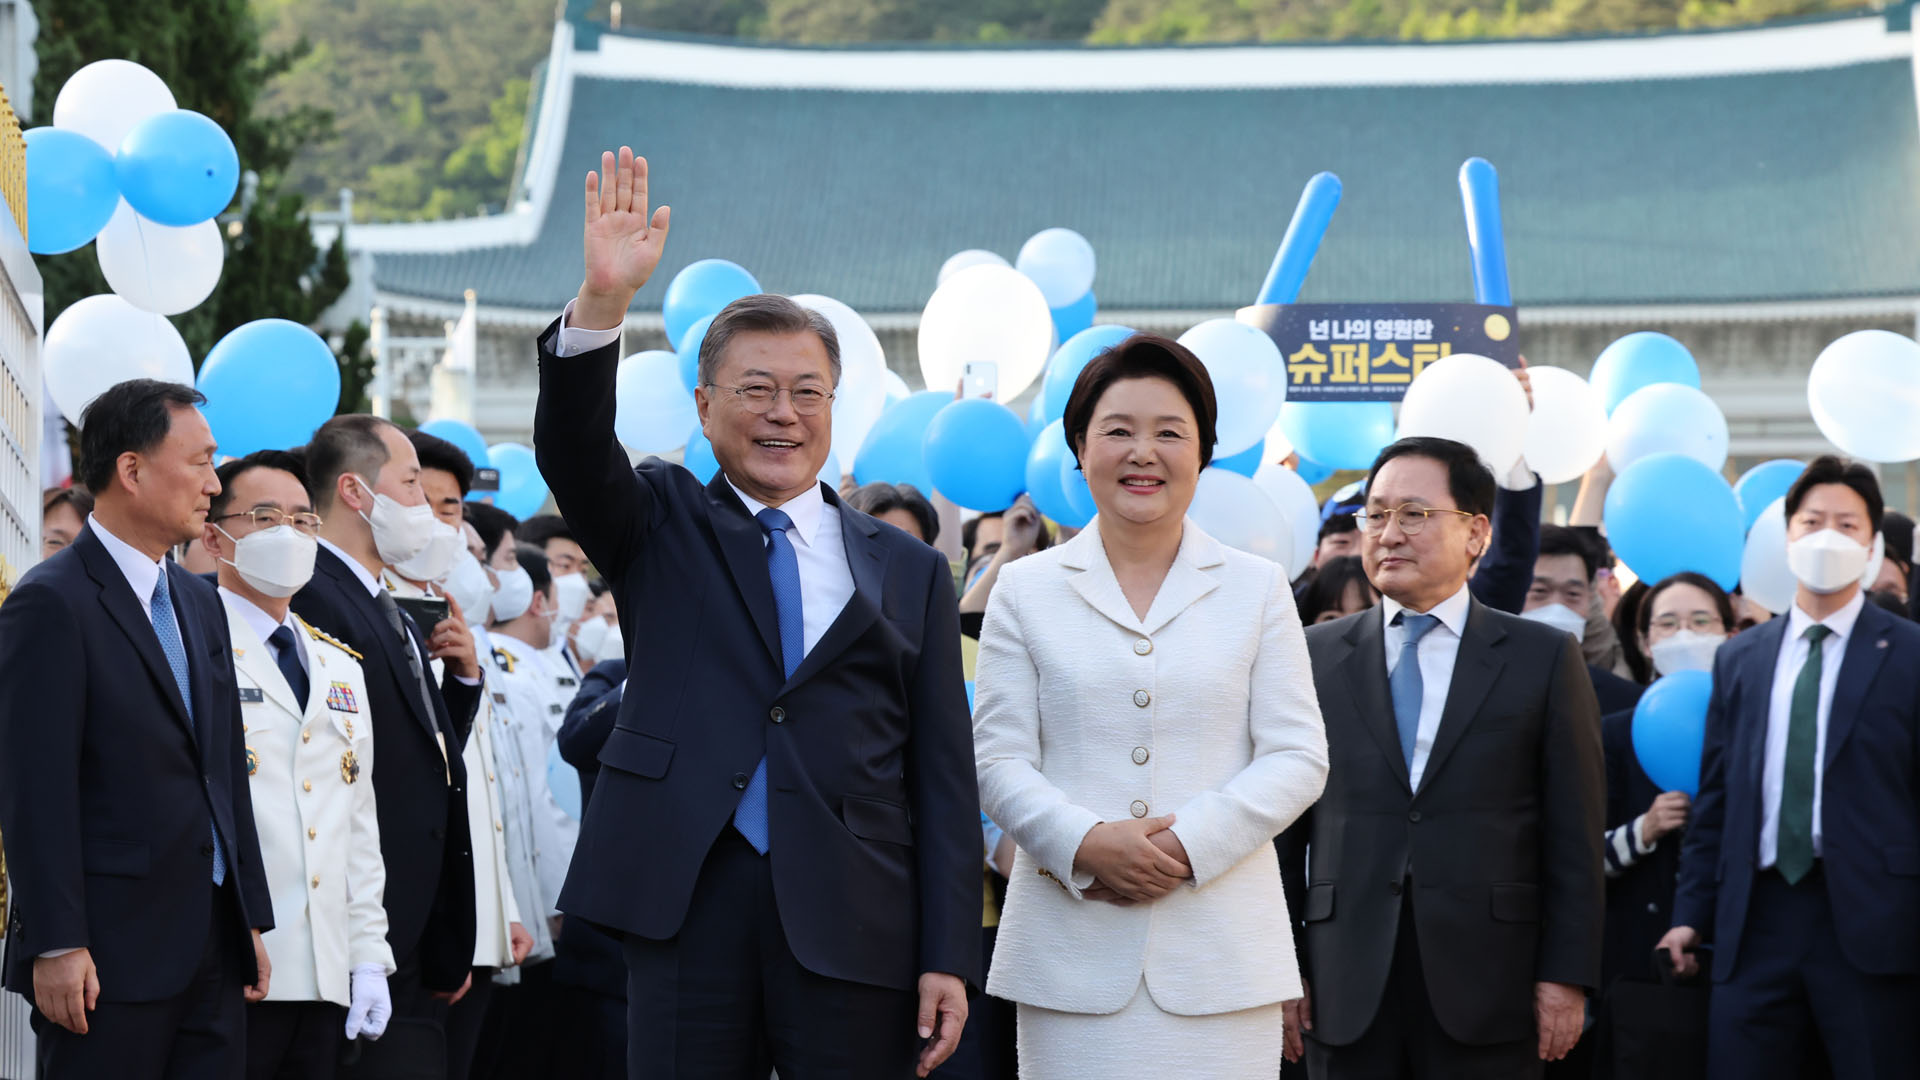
x,y
313,766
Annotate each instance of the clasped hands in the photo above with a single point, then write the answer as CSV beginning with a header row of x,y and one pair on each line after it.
x,y
1133,861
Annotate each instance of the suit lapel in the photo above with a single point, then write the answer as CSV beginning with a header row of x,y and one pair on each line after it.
x,y
117,597
1750,732
202,651
1867,647
1187,580
373,628
867,558
255,657
744,546
1365,668
1475,668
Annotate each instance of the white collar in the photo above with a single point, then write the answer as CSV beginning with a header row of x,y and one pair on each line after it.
x,y
142,573
258,621
805,509
1452,612
372,583
1840,622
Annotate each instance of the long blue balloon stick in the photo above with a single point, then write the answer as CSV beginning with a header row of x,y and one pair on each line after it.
x,y
1486,238
1310,220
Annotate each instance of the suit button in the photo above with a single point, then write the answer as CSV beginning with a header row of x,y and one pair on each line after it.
x,y
311,834
1414,816
1142,647
316,881
1653,908
1140,755
1394,887
498,827
778,715
306,785
740,781
307,735
1142,698
1138,809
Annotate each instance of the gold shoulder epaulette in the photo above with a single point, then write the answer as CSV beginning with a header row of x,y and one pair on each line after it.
x,y
318,634
505,659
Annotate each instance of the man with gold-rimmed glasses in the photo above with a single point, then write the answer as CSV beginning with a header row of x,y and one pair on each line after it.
x,y
309,747
1452,919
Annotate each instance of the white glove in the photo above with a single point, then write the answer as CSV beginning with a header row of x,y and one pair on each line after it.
x,y
372,1005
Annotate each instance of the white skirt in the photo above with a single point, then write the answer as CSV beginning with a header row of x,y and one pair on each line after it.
x,y
1142,1041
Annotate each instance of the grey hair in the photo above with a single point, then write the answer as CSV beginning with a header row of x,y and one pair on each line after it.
x,y
764,313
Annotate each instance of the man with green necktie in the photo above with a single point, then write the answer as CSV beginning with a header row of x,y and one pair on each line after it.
x,y
1802,866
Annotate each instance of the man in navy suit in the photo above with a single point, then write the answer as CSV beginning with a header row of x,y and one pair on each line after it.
x,y
786,823
1802,866
123,771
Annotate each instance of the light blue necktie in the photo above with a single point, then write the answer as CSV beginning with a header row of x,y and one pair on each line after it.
x,y
1405,682
783,568
168,631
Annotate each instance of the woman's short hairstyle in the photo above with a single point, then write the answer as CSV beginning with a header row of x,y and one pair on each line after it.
x,y
1328,589
877,498
1143,356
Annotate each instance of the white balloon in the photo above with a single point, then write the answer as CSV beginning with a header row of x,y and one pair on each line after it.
x,y
1864,392
986,313
1233,510
961,260
897,388
160,268
1249,381
1279,447
1473,400
108,98
1667,418
1298,505
652,410
1764,576
1567,433
102,341
1061,262
862,393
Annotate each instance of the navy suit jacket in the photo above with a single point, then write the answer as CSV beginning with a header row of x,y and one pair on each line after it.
x,y
107,787
873,806
421,792
1870,796
1505,572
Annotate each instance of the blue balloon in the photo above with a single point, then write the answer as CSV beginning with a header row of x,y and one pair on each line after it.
x,y
969,697
178,168
462,435
1044,477
1759,486
698,457
564,781
1074,483
1037,418
1075,317
1067,363
269,383
689,351
1313,472
1668,512
894,451
71,190
523,491
976,454
703,289
1311,216
1246,462
1669,729
1342,434
1486,237
1641,359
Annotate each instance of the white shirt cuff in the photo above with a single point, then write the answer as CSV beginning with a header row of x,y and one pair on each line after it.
x,y
574,340
57,953
1519,478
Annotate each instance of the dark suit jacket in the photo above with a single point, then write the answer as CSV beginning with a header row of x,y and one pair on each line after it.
x,y
422,793
872,800
1640,899
1505,572
587,956
1614,693
107,788
1502,840
1870,796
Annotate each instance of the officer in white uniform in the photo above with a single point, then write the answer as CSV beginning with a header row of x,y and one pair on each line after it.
x,y
309,747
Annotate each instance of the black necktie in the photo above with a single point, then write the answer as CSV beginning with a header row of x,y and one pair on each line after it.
x,y
289,660
399,624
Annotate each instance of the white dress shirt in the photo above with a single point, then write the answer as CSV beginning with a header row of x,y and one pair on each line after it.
x,y
374,588
1437,652
142,573
826,579
1786,671
263,626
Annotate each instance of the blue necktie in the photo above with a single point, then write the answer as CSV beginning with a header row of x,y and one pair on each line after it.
x,y
168,631
289,660
1405,682
783,568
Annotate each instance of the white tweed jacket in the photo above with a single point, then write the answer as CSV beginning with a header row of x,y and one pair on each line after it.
x,y
1086,713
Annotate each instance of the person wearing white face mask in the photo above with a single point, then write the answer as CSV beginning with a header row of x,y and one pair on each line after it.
x,y
310,755
365,478
568,564
1564,580
1802,864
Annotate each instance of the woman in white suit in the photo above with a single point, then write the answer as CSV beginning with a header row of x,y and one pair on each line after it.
x,y
1146,725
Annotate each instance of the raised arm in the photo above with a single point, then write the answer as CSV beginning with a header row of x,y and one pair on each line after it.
x,y
609,506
